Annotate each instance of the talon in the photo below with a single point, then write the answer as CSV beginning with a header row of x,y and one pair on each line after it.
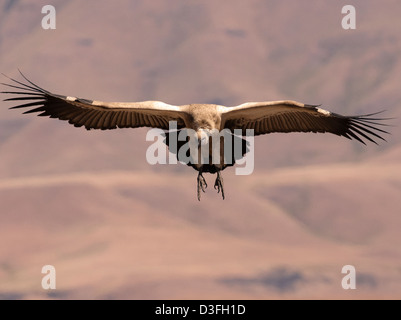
x,y
202,185
218,184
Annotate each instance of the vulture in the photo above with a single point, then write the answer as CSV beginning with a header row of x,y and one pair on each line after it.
x,y
262,117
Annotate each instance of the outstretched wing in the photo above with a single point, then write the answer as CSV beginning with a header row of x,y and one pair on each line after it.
x,y
292,116
91,113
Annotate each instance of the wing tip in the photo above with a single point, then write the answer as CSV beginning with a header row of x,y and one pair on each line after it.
x,y
364,126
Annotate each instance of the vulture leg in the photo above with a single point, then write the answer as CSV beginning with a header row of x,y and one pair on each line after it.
x,y
202,185
218,185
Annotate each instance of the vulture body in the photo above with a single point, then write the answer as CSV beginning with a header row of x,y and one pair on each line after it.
x,y
262,117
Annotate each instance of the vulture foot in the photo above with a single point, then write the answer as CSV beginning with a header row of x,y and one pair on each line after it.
x,y
218,185
202,185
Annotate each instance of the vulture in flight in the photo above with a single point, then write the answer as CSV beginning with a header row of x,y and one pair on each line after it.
x,y
262,117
